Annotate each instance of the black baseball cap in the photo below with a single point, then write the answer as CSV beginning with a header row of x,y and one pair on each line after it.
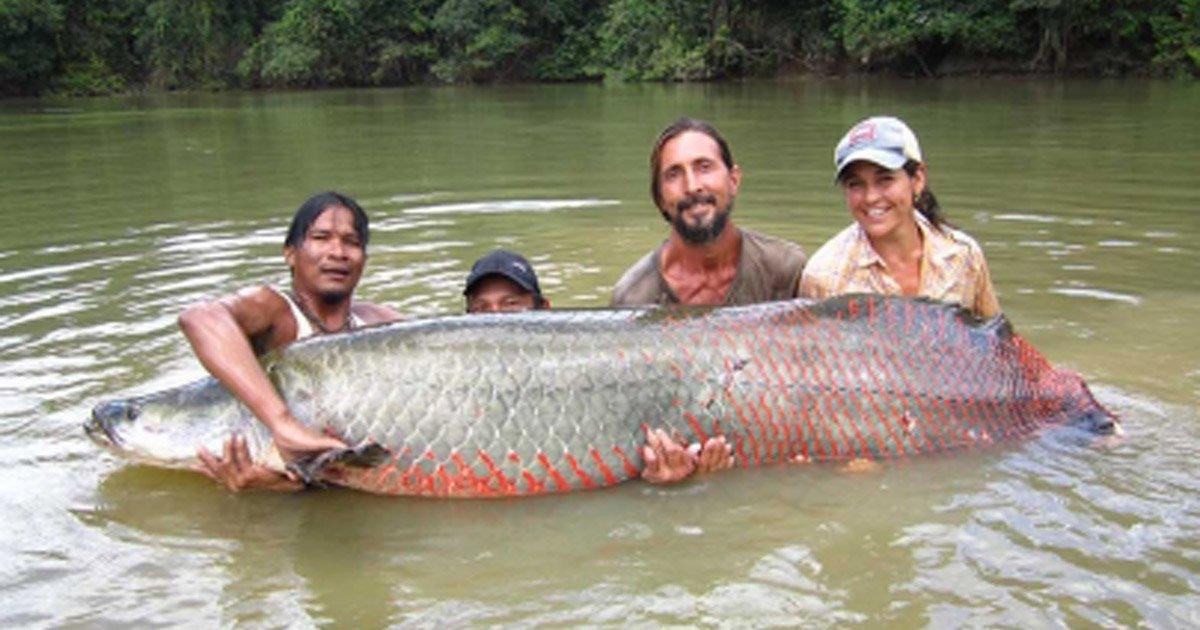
x,y
502,262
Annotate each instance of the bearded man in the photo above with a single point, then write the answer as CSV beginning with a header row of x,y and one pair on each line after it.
x,y
706,259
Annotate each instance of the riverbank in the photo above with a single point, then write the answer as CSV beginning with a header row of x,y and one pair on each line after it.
x,y
57,47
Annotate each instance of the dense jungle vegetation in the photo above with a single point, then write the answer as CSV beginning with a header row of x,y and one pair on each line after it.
x,y
106,46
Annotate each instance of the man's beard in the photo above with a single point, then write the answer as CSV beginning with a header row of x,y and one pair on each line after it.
x,y
700,234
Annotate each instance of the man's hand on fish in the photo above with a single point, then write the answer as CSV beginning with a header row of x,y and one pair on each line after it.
x,y
236,471
667,461
716,455
295,440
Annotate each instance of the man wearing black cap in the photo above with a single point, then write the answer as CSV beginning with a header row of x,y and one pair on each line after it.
x,y
503,281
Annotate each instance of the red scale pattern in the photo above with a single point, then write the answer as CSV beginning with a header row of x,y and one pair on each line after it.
x,y
874,379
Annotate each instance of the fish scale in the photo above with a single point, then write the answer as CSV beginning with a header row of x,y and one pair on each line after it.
x,y
554,401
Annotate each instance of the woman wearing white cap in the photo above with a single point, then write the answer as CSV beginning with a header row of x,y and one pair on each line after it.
x,y
899,243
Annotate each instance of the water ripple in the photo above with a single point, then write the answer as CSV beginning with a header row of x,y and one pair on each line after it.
x,y
514,205
1097,294
1071,533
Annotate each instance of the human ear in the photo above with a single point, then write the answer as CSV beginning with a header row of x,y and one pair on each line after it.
x,y
735,177
919,180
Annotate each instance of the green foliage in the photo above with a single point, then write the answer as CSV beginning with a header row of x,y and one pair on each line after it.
x,y
27,44
196,42
95,48
785,33
479,40
672,40
1177,39
101,46
88,77
565,40
400,44
916,35
319,43
315,43
873,31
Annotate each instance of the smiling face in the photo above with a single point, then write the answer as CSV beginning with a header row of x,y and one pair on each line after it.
x,y
329,260
881,199
696,188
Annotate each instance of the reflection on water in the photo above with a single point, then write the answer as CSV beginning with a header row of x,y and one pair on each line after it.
x,y
1054,531
512,205
121,213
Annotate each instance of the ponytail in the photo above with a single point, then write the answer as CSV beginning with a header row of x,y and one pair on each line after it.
x,y
926,203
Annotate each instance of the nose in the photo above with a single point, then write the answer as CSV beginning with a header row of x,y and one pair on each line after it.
x,y
692,181
873,192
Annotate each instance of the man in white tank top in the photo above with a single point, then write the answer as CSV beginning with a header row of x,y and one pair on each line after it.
x,y
326,250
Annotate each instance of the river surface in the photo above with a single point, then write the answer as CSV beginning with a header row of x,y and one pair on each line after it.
x,y
119,212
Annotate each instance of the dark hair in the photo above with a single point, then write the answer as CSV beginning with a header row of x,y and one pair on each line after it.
x,y
926,203
682,124
312,208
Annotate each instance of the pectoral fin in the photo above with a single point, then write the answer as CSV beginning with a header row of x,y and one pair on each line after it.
x,y
365,455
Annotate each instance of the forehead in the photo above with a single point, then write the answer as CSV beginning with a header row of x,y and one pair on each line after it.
x,y
496,286
337,218
688,147
865,168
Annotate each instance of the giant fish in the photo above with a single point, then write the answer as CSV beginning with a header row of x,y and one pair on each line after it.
x,y
554,401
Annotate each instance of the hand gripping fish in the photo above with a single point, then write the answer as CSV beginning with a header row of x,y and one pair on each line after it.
x,y
555,401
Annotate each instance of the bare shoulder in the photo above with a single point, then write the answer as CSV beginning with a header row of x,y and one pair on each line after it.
x,y
261,297
262,304
372,313
259,312
253,307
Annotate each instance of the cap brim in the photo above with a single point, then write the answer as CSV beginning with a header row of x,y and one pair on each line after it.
x,y
476,278
886,159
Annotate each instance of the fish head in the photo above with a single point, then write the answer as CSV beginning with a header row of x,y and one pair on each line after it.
x,y
167,427
1077,405
109,421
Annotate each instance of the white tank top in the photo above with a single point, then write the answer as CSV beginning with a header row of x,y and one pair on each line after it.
x,y
304,328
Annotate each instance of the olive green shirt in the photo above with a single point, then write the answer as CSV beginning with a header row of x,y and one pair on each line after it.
x,y
768,270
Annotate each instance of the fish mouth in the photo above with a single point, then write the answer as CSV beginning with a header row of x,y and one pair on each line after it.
x,y
1081,405
1099,419
106,418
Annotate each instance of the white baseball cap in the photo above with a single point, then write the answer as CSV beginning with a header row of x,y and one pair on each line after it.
x,y
882,140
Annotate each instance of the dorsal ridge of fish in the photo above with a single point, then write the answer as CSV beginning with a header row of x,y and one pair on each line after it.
x,y
856,306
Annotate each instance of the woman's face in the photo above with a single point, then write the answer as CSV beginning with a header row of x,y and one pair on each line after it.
x,y
881,199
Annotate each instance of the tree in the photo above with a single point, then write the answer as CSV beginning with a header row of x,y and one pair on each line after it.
x,y
27,44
